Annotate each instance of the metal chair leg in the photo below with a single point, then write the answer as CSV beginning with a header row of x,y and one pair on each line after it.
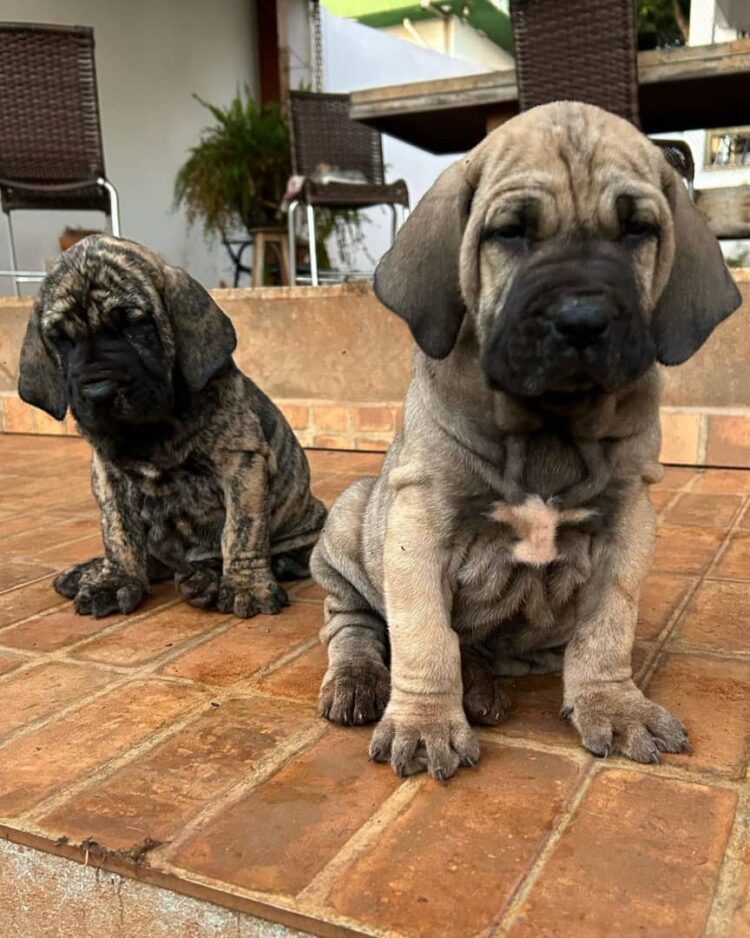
x,y
114,205
394,222
290,219
12,252
312,248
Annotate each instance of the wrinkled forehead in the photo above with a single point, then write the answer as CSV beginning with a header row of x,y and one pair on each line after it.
x,y
575,162
93,283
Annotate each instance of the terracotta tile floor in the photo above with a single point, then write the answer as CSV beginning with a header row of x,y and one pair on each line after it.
x,y
183,748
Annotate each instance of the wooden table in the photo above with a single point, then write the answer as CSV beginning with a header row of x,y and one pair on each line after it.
x,y
688,88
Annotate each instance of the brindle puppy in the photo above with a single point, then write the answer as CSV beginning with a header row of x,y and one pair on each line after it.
x,y
543,276
197,474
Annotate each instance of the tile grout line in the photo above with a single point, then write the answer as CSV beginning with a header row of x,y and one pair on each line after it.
x,y
319,888
118,623
151,664
740,833
105,769
575,753
684,648
34,615
149,743
23,731
724,546
50,524
670,503
671,771
42,576
261,772
666,630
144,671
520,894
666,634
727,892
580,755
252,680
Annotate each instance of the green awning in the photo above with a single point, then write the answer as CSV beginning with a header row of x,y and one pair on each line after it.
x,y
488,16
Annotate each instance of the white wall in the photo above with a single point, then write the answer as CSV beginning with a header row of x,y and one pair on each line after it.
x,y
356,57
150,56
454,37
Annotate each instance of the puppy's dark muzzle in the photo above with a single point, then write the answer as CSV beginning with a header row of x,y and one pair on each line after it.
x,y
98,392
571,319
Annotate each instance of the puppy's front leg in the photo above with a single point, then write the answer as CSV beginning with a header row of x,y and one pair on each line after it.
x,y
118,581
601,698
424,725
248,585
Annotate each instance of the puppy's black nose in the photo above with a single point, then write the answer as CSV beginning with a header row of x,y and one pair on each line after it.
x,y
99,390
581,321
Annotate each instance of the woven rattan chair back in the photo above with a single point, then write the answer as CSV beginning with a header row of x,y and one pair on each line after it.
x,y
50,133
577,51
324,134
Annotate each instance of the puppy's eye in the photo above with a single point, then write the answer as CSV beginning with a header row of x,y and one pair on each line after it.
x,y
635,231
514,235
127,314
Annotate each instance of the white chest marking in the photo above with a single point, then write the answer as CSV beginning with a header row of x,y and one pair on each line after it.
x,y
535,523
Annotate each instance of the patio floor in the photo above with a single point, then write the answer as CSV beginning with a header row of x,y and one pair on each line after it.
x,y
182,747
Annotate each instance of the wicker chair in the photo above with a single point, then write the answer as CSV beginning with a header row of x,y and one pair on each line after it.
x,y
50,145
584,52
323,135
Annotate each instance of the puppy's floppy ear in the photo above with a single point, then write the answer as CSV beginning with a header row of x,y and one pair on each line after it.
x,y
204,336
418,278
41,382
700,292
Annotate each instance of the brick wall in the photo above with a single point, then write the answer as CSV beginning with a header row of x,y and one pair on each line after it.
x,y
338,366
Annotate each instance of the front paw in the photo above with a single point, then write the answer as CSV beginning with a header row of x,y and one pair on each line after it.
x,y
108,593
68,582
619,718
417,739
247,598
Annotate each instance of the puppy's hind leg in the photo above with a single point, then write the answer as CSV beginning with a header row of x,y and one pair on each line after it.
x,y
486,702
292,564
356,686
198,584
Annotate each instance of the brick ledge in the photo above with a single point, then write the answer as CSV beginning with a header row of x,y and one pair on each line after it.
x,y
692,436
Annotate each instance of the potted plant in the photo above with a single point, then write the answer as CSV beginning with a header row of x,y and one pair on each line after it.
x,y
235,177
